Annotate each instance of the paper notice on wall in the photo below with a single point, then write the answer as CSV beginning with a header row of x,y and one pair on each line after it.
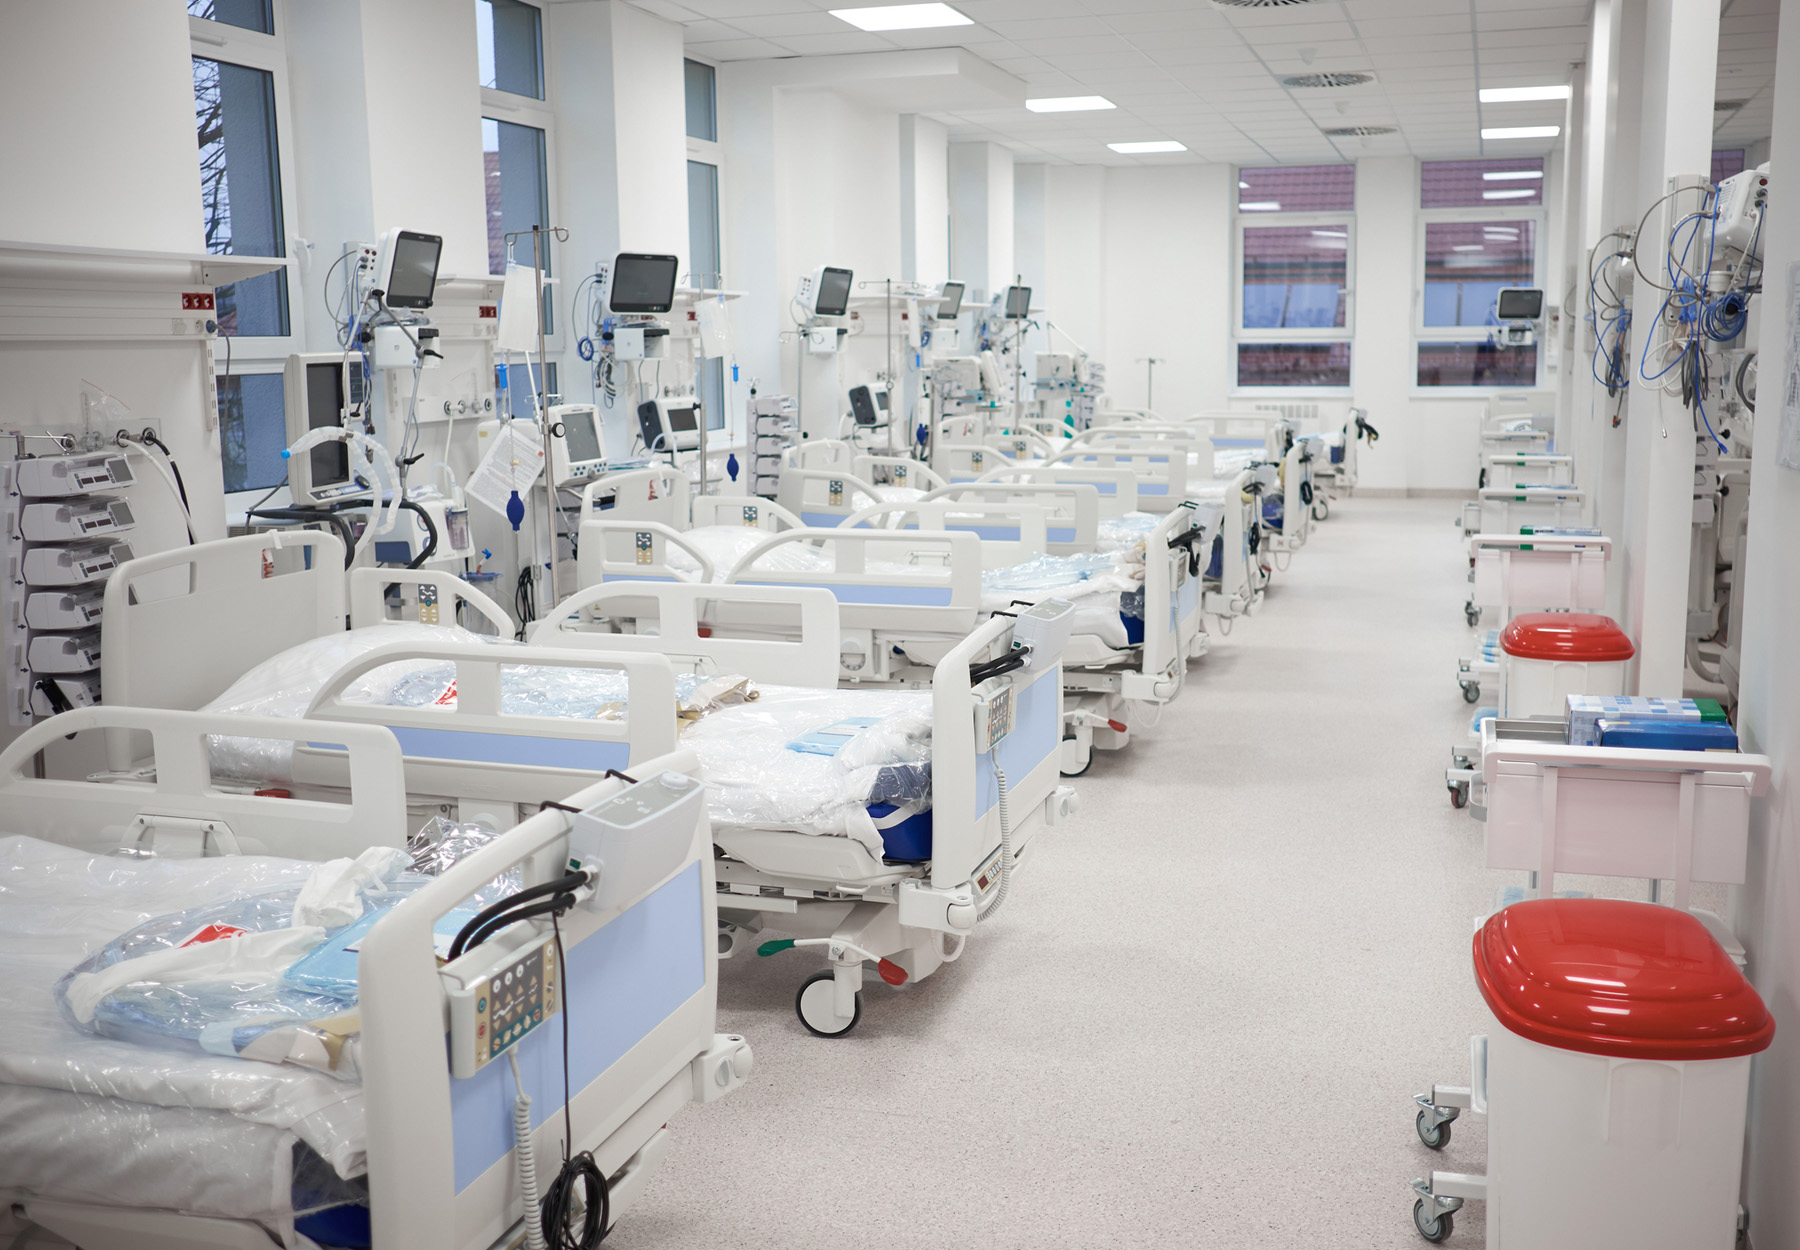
x,y
715,328
513,463
1788,446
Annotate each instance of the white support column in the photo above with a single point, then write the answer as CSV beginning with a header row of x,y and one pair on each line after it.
x,y
1677,113
924,199
981,217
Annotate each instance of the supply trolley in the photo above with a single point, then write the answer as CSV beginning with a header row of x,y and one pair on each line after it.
x,y
1545,657
1658,815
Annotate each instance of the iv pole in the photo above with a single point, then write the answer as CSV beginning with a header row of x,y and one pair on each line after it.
x,y
561,235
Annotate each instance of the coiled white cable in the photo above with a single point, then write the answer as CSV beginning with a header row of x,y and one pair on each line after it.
x,y
522,1157
1005,850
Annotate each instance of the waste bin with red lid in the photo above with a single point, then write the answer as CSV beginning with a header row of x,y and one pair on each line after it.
x,y
1617,1077
1551,655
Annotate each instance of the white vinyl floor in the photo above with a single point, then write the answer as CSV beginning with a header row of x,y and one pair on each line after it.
x,y
1203,1015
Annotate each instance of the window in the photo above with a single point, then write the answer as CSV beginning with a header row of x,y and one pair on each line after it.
x,y
518,198
257,15
702,101
1507,184
252,431
1297,189
1294,279
1727,163
509,39
240,189
704,270
1481,225
1468,262
1293,364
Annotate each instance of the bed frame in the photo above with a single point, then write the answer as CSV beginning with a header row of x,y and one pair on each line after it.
x,y
1071,509
642,984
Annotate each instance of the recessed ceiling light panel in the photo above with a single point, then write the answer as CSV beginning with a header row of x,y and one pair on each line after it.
x,y
1515,95
1148,146
1069,104
1520,193
1520,132
1510,175
903,17
1311,81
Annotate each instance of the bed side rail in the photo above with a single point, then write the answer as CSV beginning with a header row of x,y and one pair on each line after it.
x,y
659,493
435,595
690,624
1010,532
469,746
750,511
178,807
1071,509
1161,468
824,497
1115,490
899,470
635,551
930,580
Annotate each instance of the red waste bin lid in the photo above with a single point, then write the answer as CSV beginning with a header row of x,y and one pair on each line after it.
x,y
1609,977
1565,636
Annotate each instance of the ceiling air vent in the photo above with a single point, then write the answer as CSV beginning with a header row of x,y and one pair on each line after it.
x,y
1360,132
1259,4
1728,106
1326,80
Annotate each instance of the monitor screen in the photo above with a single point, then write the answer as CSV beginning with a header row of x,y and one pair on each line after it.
x,y
833,296
412,270
581,435
881,400
1520,304
951,304
683,420
642,283
1018,302
325,411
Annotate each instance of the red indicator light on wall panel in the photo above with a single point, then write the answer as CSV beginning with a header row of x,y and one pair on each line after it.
x,y
891,972
692,315
488,310
196,301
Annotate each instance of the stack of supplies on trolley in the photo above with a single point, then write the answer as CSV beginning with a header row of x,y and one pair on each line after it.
x,y
1597,720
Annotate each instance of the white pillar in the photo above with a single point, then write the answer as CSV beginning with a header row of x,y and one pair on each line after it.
x,y
981,218
1387,209
924,199
1677,115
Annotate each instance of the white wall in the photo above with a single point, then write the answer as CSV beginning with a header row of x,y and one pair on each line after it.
x,y
981,218
924,199
1075,254
98,145
1768,911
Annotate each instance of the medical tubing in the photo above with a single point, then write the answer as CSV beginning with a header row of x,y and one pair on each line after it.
x,y
556,904
1005,850
523,1160
561,885
431,532
313,514
171,474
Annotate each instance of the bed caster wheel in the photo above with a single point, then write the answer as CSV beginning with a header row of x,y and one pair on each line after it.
x,y
1321,510
1459,799
1086,763
1435,1133
1433,1228
815,1004
1472,615
1471,691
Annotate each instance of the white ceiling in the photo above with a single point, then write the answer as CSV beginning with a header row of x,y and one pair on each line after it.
x,y
1209,77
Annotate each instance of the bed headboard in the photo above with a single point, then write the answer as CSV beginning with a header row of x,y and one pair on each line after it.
x,y
436,595
180,626
179,803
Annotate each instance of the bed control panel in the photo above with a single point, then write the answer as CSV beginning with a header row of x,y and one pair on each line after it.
x,y
636,838
499,993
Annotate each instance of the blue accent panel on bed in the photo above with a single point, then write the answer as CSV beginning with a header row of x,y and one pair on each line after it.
x,y
1237,442
1059,534
1183,602
634,577
623,980
492,748
899,596
1153,488
823,520
1037,731
991,533
1105,488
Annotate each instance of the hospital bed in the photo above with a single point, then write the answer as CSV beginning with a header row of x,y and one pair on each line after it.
x,y
115,1145
1501,469
710,531
824,497
993,785
1509,509
1656,815
1339,470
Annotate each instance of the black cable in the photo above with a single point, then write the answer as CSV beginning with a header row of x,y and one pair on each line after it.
x,y
336,522
557,1211
562,885
1013,659
525,601
554,905
149,436
431,533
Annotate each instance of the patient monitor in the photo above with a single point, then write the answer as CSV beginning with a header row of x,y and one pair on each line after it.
x,y
825,292
949,305
408,268
577,444
1018,303
319,390
671,424
639,284
869,405
1518,310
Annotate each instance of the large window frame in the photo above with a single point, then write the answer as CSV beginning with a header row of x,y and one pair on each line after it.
x,y
711,152
1344,220
1539,217
524,110
247,355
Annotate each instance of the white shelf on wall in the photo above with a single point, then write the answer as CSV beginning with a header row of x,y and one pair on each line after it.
x,y
57,293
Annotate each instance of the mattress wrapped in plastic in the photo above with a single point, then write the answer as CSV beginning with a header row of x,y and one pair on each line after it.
x,y
1093,583
76,1107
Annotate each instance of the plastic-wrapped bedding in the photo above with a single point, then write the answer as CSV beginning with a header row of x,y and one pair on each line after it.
x,y
76,1108
813,761
725,545
1125,534
286,684
898,494
1093,583
1228,462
